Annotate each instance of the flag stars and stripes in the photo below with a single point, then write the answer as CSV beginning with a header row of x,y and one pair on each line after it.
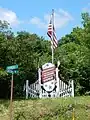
x,y
51,33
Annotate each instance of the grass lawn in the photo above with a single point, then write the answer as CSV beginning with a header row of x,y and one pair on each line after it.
x,y
47,109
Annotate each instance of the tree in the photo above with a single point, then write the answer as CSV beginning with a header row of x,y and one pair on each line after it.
x,y
5,30
74,53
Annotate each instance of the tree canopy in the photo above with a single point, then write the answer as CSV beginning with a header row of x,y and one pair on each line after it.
x,y
30,51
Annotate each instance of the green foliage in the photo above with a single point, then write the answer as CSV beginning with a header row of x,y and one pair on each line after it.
x,y
26,50
47,109
3,72
74,54
30,51
86,19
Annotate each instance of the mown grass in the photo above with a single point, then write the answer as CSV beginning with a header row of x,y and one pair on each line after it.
x,y
47,109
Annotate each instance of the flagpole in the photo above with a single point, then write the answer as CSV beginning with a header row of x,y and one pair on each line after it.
x,y
52,36
52,53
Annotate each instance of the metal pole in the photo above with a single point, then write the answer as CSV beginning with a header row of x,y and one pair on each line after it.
x,y
11,116
73,115
52,53
52,35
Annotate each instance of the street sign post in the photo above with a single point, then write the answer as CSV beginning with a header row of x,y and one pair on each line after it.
x,y
11,97
13,70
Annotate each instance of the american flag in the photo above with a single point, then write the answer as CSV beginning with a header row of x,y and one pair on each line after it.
x,y
51,33
48,74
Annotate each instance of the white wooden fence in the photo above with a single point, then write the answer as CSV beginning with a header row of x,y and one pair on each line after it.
x,y
35,90
62,89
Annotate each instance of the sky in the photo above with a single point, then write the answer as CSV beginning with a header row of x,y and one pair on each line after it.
x,y
34,15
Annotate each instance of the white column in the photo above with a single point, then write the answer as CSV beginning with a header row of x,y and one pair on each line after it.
x,y
57,79
40,90
27,89
72,88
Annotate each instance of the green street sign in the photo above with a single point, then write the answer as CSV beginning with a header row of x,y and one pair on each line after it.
x,y
15,71
12,71
12,67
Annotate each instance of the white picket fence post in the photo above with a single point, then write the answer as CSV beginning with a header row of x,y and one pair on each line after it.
x,y
40,90
72,88
27,91
58,81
